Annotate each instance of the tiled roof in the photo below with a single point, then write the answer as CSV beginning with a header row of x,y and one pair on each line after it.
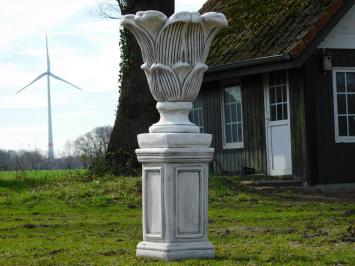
x,y
262,28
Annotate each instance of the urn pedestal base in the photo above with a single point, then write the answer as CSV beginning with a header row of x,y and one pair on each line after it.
x,y
174,117
175,197
175,251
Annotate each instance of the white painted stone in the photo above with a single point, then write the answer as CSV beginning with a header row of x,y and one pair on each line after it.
x,y
153,188
174,155
174,140
181,205
174,118
175,251
174,52
189,213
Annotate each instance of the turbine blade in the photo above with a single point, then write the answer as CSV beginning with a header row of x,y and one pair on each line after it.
x,y
48,61
39,77
58,78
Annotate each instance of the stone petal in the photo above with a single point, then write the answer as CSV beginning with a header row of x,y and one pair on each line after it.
x,y
166,85
186,17
154,89
144,39
182,69
194,44
212,23
171,41
151,21
192,84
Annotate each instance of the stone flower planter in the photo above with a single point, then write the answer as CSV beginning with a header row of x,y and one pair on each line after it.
x,y
175,156
174,52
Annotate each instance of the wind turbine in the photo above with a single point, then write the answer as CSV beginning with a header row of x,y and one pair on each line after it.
x,y
49,74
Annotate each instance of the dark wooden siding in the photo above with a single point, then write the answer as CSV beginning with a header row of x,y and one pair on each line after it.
x,y
331,162
298,124
253,155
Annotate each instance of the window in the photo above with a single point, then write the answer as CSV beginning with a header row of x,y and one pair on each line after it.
x,y
344,104
278,96
196,114
232,119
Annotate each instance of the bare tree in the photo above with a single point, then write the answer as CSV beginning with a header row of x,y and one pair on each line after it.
x,y
22,160
94,143
35,159
68,154
109,9
4,160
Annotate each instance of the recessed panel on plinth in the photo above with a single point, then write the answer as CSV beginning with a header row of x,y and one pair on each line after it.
x,y
153,202
189,203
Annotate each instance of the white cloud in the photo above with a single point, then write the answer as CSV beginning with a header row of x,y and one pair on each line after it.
x,y
13,75
33,52
21,20
19,129
22,102
104,26
23,137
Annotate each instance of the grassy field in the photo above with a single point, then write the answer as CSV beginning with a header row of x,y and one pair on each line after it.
x,y
72,218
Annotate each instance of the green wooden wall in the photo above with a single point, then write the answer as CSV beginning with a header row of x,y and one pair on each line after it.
x,y
300,159
253,155
330,162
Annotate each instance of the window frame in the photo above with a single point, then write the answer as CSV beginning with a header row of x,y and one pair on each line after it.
x,y
194,109
231,145
270,87
339,139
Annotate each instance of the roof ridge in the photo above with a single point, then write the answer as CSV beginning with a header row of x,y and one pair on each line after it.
x,y
309,35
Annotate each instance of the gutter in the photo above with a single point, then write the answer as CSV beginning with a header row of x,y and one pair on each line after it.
x,y
249,63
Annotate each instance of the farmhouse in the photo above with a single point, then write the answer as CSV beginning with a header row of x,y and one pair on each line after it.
x,y
279,97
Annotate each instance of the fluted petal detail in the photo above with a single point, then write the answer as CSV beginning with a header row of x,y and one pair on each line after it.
x,y
154,89
166,83
171,43
182,69
212,23
144,39
195,44
193,81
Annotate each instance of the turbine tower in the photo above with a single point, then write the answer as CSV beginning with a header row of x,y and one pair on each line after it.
x,y
49,74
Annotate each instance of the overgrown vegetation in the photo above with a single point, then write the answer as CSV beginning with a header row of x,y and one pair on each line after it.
x,y
135,100
76,218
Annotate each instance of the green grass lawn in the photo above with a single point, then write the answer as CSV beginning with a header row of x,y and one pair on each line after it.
x,y
72,218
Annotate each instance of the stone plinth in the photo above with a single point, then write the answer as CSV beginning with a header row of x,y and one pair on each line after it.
x,y
175,156
175,195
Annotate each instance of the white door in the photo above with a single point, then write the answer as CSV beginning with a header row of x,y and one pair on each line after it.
x,y
277,123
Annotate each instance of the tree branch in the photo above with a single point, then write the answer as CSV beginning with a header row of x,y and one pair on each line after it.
x,y
109,8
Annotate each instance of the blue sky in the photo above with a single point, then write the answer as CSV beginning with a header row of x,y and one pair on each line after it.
x,y
83,50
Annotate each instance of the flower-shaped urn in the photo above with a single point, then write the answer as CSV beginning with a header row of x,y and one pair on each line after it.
x,y
174,52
